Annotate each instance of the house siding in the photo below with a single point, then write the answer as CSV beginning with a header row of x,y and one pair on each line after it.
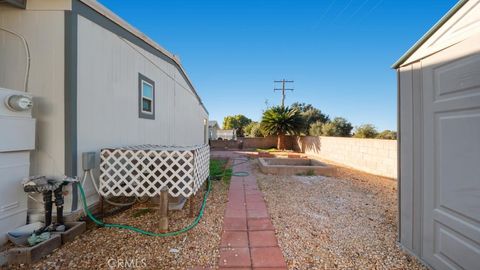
x,y
44,32
107,96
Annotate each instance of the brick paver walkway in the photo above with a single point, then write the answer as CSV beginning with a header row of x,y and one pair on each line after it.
x,y
248,240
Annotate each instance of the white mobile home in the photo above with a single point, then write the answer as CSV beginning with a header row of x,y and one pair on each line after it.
x,y
212,130
439,128
96,82
226,134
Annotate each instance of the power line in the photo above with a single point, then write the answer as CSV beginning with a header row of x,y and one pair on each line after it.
x,y
283,89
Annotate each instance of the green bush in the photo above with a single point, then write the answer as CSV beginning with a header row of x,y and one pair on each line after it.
x,y
254,129
387,135
310,115
338,127
316,129
365,131
218,170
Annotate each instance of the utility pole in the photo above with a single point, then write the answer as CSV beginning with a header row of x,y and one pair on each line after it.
x,y
283,89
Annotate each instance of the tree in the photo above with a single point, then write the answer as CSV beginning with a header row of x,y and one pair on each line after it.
x,y
237,122
248,128
365,131
338,127
280,121
387,135
310,115
315,129
253,130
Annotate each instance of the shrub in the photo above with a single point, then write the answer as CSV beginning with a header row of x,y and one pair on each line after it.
x,y
338,127
248,128
387,135
218,170
365,131
310,115
315,129
254,129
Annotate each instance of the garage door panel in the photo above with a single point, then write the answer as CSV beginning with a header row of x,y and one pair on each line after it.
x,y
458,251
457,162
457,103
458,78
453,219
451,158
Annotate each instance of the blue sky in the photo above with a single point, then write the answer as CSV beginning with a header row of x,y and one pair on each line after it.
x,y
338,52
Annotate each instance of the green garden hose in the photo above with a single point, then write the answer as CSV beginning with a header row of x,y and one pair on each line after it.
x,y
174,233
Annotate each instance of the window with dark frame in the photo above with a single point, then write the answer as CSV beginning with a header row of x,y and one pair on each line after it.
x,y
146,97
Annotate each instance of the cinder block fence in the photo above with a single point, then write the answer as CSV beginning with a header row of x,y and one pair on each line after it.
x,y
373,156
370,155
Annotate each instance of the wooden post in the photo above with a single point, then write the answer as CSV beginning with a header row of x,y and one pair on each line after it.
x,y
102,211
192,205
163,210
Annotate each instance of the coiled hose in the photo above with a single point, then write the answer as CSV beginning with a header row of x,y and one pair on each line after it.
x,y
149,233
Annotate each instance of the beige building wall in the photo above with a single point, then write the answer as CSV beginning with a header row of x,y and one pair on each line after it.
x,y
374,156
44,32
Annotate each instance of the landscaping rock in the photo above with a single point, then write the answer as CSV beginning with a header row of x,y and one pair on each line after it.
x,y
108,248
346,222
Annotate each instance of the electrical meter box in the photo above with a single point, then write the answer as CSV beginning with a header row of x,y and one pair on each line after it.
x,y
88,161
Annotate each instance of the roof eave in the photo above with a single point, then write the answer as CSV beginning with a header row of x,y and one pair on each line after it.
x,y
427,35
104,11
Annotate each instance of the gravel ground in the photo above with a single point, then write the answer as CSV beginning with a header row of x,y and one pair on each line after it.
x,y
198,247
346,222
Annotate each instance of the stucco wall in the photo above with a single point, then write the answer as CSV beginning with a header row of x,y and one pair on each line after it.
x,y
370,155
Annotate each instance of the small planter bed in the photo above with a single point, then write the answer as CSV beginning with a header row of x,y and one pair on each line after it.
x,y
29,255
295,166
73,230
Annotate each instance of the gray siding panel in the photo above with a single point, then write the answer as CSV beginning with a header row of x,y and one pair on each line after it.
x,y
406,157
417,158
71,35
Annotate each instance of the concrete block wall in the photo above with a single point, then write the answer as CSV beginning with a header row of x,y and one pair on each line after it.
x,y
370,155
225,144
266,142
251,143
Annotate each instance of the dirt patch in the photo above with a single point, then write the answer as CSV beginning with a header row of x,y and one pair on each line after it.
x,y
101,248
349,221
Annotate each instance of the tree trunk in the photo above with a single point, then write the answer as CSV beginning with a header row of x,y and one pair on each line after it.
x,y
281,142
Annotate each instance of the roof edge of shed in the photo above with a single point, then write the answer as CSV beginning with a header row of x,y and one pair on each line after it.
x,y
429,33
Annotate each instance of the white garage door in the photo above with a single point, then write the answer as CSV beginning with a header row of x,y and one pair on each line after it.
x,y
451,157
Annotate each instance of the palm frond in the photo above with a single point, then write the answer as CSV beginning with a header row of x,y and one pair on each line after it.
x,y
280,120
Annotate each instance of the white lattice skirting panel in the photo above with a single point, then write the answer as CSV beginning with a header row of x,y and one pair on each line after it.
x,y
144,170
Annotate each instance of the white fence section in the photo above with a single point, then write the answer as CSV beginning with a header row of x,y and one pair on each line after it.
x,y
144,170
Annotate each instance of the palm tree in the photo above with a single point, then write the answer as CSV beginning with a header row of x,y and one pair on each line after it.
x,y
281,121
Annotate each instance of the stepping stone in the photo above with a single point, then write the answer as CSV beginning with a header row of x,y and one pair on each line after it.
x,y
267,257
234,239
262,239
234,257
260,224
